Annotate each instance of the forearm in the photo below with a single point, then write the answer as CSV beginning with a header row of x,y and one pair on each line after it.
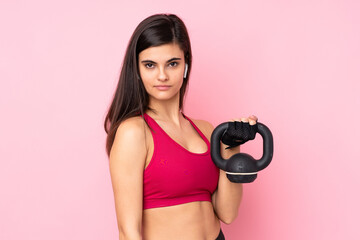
x,y
227,197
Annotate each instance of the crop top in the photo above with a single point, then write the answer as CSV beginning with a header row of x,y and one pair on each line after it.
x,y
175,175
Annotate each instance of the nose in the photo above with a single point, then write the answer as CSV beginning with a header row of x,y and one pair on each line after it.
x,y
162,74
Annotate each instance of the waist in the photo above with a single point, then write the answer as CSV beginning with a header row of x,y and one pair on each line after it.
x,y
194,220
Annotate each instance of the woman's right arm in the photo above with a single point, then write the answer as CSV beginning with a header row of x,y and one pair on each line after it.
x,y
127,161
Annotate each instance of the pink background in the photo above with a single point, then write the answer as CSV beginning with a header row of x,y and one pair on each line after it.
x,y
294,64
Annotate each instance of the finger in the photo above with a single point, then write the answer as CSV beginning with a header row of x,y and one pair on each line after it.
x,y
245,120
235,120
252,122
253,117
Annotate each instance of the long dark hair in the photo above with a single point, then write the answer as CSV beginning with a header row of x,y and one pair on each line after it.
x,y
130,98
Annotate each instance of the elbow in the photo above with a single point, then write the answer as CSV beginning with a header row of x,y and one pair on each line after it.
x,y
229,219
129,234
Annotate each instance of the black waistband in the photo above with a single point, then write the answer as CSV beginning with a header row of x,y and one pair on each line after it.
x,y
221,236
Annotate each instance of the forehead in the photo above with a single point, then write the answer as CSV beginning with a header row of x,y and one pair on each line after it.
x,y
162,53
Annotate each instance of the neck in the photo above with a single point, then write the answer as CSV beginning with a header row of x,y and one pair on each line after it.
x,y
165,110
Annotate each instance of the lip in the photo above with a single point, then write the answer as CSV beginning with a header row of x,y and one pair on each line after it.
x,y
162,87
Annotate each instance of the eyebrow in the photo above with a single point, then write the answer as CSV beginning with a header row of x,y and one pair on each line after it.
x,y
170,60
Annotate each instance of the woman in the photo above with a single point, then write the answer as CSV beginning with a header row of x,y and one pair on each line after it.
x,y
165,183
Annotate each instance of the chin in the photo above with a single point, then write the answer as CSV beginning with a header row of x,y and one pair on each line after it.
x,y
165,96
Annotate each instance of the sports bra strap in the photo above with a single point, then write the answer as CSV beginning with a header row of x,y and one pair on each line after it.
x,y
197,129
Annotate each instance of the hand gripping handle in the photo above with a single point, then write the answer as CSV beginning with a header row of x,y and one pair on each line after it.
x,y
268,146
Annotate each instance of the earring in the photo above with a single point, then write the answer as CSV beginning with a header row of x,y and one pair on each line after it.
x,y
186,69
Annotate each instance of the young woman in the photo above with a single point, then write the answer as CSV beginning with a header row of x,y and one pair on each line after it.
x,y
165,183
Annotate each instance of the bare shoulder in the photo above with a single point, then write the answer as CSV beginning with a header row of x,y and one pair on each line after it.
x,y
131,127
130,132
205,127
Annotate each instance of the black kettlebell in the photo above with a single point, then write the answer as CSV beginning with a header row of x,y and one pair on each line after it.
x,y
241,167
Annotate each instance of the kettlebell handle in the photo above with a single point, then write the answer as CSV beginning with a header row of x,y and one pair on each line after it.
x,y
268,146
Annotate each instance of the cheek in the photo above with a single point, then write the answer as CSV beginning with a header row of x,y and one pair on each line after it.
x,y
146,83
146,77
180,80
142,73
178,76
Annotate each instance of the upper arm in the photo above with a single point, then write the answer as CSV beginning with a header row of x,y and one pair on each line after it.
x,y
127,161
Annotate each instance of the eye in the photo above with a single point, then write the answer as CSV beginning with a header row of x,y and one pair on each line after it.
x,y
173,64
149,65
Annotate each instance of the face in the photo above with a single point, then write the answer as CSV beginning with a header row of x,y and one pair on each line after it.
x,y
162,71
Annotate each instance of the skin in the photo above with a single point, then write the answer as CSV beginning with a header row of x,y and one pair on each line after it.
x,y
161,70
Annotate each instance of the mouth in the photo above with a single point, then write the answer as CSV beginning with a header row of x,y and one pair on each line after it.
x,y
162,87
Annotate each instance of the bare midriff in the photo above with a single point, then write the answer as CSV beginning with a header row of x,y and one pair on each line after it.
x,y
192,221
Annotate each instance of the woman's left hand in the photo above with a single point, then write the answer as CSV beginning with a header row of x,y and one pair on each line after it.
x,y
240,130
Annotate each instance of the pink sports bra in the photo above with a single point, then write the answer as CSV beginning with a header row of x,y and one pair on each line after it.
x,y
175,175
